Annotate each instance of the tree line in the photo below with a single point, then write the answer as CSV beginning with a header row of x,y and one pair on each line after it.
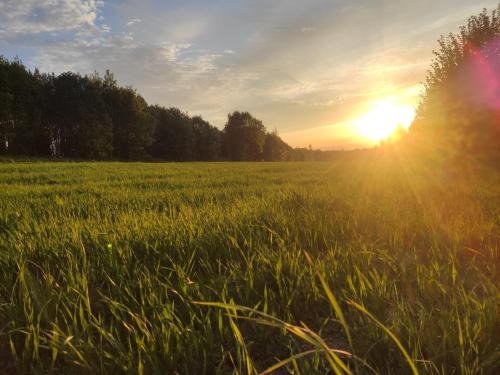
x,y
92,117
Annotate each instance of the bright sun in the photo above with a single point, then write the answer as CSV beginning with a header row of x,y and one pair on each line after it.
x,y
383,119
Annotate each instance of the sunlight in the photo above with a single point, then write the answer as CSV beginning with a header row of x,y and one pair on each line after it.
x,y
384,118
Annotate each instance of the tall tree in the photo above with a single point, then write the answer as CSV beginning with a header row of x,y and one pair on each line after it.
x,y
275,149
132,125
207,140
460,109
173,135
80,124
244,137
5,105
21,110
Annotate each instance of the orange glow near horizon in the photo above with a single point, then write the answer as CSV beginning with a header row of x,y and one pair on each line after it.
x,y
364,126
383,118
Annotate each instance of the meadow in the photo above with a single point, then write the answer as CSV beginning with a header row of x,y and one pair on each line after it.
x,y
103,267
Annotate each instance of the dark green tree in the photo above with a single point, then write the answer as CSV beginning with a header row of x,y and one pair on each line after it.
x,y
22,108
132,125
173,135
6,126
207,140
244,137
80,125
275,149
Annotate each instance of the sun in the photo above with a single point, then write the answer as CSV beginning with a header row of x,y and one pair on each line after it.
x,y
384,117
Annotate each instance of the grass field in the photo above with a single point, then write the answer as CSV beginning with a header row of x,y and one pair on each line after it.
x,y
101,265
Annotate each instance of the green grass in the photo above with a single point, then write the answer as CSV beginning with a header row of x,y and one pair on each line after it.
x,y
103,266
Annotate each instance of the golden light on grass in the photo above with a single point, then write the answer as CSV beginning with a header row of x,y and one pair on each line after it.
x,y
383,118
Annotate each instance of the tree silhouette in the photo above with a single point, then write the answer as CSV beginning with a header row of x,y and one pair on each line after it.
x,y
244,137
207,140
275,149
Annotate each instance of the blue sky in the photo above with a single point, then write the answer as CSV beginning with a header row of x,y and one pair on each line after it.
x,y
306,68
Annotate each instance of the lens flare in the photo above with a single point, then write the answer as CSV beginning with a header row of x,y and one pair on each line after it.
x,y
482,74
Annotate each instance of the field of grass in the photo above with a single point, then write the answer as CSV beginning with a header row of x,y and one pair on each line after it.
x,y
101,266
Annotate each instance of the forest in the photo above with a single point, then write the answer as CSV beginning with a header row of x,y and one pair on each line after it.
x,y
91,117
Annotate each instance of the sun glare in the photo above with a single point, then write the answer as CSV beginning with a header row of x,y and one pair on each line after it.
x,y
384,118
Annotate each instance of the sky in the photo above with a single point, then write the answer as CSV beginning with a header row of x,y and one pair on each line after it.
x,y
317,71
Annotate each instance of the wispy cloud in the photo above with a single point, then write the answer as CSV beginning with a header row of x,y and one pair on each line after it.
x,y
134,21
308,29
38,16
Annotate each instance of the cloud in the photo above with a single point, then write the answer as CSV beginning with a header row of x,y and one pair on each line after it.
x,y
134,21
41,16
308,29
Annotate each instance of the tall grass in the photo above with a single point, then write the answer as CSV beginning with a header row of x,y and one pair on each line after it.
x,y
100,264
